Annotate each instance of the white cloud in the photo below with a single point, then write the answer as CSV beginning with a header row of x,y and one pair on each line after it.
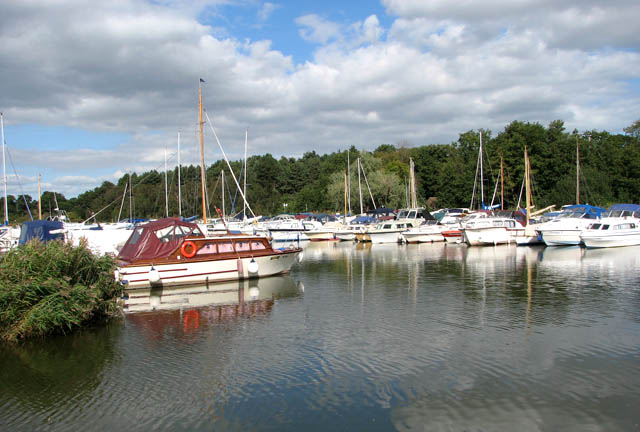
x,y
314,28
266,10
439,69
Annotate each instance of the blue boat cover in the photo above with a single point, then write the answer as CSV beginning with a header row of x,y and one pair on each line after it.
x,y
40,229
624,207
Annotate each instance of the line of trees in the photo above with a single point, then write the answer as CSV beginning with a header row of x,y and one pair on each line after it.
x,y
445,175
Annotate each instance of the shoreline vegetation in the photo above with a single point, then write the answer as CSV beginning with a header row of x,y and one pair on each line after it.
x,y
55,288
444,174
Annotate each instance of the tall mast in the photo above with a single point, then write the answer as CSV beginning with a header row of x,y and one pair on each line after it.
x,y
130,200
481,174
222,187
4,174
501,183
166,190
412,180
577,171
349,182
360,187
179,185
244,186
527,174
202,172
345,196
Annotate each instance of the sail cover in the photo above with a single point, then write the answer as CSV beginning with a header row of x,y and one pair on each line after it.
x,y
157,239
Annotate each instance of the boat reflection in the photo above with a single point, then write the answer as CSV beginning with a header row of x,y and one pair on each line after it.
x,y
232,294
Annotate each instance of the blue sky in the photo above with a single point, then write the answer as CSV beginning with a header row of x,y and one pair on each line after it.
x,y
97,89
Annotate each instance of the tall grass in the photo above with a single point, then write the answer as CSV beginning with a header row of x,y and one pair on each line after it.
x,y
54,287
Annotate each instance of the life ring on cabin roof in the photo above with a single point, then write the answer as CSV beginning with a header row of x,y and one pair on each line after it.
x,y
192,246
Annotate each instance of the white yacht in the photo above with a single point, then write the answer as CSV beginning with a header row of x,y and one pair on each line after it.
x,y
619,226
565,228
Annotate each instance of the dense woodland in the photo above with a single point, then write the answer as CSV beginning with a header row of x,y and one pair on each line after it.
x,y
445,175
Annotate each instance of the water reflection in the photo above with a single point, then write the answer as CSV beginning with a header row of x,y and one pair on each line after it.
x,y
385,337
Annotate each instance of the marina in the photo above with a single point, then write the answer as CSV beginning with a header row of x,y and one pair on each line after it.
x,y
431,336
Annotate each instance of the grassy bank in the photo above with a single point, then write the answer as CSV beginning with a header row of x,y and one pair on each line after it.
x,y
54,287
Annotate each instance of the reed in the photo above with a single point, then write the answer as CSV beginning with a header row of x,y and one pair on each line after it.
x,y
54,287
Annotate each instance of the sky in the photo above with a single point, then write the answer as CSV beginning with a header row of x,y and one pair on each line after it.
x,y
92,90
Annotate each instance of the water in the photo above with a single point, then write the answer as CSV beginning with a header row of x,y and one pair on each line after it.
x,y
378,337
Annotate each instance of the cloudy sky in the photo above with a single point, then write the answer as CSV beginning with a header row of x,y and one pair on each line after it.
x,y
92,89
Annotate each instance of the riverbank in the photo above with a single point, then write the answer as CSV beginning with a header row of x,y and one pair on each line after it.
x,y
53,288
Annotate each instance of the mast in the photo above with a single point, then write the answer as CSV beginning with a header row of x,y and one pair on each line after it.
x,y
130,201
244,186
360,187
4,174
527,182
202,172
412,180
345,196
349,182
481,175
222,188
166,190
577,171
39,199
501,183
179,185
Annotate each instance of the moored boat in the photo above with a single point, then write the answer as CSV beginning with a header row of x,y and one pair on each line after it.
x,y
619,227
170,252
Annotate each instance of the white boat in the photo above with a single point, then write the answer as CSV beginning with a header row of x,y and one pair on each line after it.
x,y
170,252
565,229
325,232
619,226
492,231
387,232
349,232
427,232
611,232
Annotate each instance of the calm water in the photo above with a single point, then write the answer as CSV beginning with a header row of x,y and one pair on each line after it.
x,y
383,337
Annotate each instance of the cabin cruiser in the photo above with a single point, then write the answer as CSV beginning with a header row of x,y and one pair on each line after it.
x,y
170,252
430,230
619,226
565,228
492,231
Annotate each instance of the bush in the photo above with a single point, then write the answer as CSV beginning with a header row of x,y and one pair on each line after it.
x,y
54,287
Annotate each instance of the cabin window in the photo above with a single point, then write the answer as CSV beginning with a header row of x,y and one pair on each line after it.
x,y
242,246
257,245
135,236
225,246
165,234
498,223
386,227
595,226
511,224
208,248
605,227
412,215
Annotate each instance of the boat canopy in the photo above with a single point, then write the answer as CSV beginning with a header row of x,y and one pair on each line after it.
x,y
620,210
42,230
157,239
591,211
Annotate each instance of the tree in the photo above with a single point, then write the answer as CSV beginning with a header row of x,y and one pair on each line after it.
x,y
633,130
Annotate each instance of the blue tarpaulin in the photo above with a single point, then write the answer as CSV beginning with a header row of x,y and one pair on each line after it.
x,y
40,229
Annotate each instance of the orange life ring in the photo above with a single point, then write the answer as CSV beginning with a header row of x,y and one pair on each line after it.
x,y
193,247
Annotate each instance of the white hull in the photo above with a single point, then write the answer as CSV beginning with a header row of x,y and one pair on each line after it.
x,y
204,272
561,238
612,241
490,236
346,236
527,240
321,235
416,237
384,236
288,236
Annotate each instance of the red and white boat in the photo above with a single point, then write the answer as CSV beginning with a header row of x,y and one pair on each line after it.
x,y
170,252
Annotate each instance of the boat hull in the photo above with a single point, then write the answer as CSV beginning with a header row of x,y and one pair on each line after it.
x,y
204,272
561,237
490,236
611,240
